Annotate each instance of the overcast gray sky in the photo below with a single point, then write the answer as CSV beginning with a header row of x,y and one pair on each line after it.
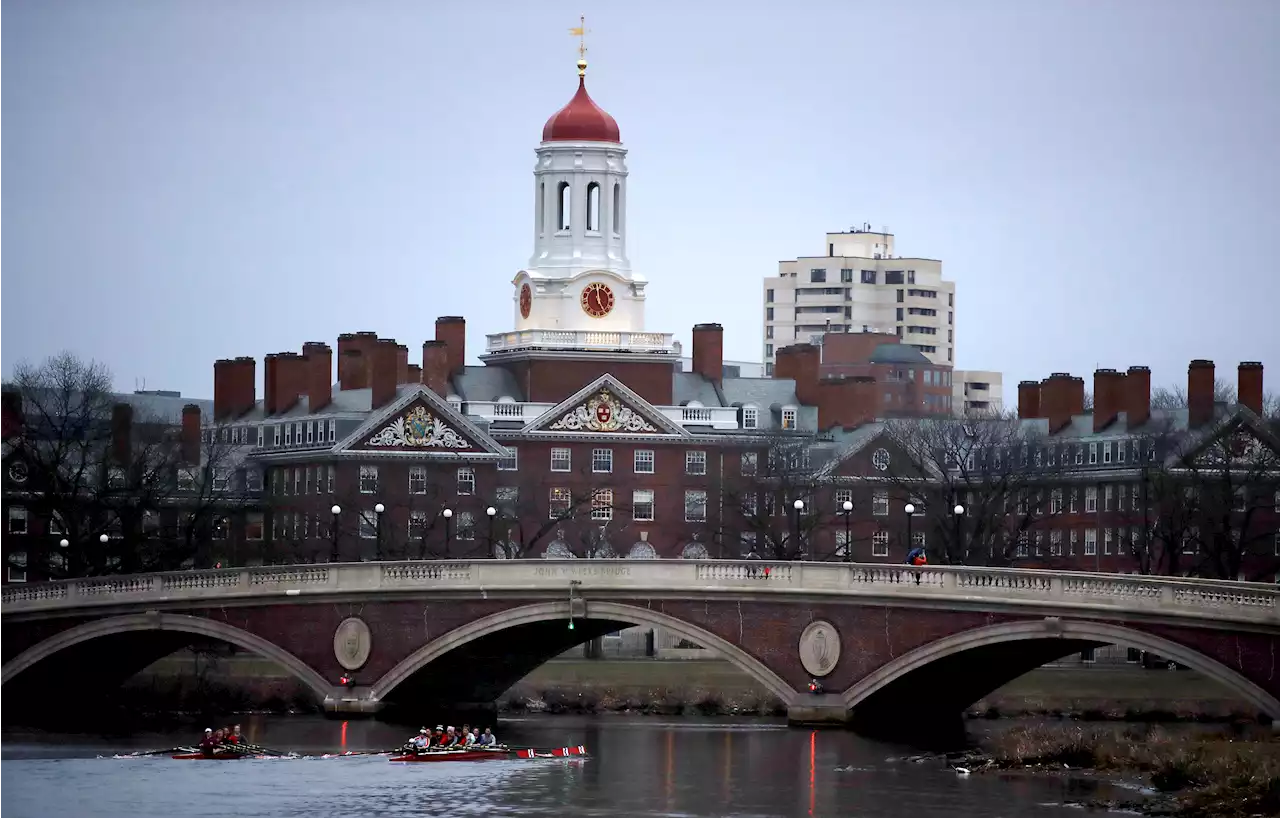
x,y
185,181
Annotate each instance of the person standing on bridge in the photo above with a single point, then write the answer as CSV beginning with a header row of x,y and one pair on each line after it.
x,y
917,557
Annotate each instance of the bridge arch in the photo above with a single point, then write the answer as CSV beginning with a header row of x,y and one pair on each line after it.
x,y
611,612
1062,637
174,623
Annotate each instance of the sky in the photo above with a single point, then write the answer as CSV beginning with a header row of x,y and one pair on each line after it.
x,y
187,181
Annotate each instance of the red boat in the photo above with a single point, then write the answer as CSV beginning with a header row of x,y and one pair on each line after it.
x,y
214,757
489,754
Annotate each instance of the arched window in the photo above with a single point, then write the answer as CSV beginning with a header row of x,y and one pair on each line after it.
x,y
542,208
593,206
617,207
566,205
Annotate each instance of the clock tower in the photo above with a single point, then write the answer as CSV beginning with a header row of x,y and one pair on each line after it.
x,y
579,277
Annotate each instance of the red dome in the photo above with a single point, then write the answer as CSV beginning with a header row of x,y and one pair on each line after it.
x,y
581,121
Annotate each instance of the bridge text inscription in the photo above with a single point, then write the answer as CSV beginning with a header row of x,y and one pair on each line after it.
x,y
582,571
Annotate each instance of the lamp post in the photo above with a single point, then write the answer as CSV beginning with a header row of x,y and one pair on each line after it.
x,y
333,531
492,514
448,529
847,509
377,532
104,539
798,505
910,508
958,516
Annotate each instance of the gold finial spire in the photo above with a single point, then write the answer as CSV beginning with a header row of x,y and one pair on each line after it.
x,y
581,33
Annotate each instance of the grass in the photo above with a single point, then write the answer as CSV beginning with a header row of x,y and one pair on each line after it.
x,y
1219,774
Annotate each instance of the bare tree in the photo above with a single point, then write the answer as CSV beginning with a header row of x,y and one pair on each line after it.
x,y
534,514
760,503
995,468
95,467
1175,397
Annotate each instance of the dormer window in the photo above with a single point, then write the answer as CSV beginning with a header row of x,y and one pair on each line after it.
x,y
750,417
789,415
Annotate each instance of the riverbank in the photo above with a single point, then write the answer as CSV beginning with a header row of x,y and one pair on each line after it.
x,y
704,687
1190,773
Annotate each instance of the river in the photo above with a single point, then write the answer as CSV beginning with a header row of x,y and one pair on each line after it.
x,y
637,767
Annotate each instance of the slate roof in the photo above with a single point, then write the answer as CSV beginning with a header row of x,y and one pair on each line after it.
x,y
898,354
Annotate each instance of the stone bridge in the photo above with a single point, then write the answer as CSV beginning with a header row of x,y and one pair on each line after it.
x,y
884,641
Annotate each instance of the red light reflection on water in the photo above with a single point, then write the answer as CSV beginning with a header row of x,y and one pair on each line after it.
x,y
344,736
813,758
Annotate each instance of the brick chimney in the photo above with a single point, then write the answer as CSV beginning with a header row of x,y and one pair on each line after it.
x,y
435,367
1108,397
415,374
848,401
1061,398
12,416
402,364
244,385
1249,385
353,369
382,374
270,374
319,363
291,380
122,434
452,329
191,433
223,380
1199,392
800,363
708,351
1029,399
1137,396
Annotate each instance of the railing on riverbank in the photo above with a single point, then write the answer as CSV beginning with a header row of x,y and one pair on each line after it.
x,y
961,586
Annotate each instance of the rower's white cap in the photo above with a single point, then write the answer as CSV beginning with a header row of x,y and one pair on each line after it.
x,y
208,729
423,730
439,726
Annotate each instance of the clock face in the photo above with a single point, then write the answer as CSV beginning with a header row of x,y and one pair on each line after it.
x,y
597,300
526,301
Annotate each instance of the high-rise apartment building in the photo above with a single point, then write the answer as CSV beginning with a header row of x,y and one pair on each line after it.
x,y
861,285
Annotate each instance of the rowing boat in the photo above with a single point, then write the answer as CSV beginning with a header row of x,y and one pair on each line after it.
x,y
489,754
215,757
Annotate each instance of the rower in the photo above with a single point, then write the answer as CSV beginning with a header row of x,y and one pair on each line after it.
x,y
206,743
422,740
466,738
231,736
487,738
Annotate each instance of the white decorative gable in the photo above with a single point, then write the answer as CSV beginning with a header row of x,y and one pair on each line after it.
x,y
603,412
418,429
605,407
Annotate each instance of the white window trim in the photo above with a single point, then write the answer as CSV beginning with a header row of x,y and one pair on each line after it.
x,y
568,459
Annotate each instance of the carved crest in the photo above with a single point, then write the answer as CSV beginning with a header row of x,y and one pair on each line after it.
x,y
419,429
603,412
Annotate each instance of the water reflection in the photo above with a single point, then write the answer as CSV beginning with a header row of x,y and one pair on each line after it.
x,y
638,767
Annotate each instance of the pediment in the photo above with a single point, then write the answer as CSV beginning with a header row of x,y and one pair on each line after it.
x,y
605,407
1236,444
420,422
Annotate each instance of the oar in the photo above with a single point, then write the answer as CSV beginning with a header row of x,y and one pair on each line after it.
x,y
254,749
171,750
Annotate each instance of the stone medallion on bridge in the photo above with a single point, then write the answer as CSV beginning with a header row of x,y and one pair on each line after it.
x,y
352,642
819,648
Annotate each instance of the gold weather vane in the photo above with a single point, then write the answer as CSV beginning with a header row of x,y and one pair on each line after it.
x,y
581,33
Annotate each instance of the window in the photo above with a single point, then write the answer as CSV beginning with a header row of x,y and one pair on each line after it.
x,y
368,479
510,461
417,480
1093,454
220,528
893,277
559,504
788,418
297,433
1240,500
311,432
643,461
750,417
1079,455
602,504
1072,494
843,496
564,206
750,461
561,460
695,462
333,430
275,435
254,526
1055,501
17,520
642,505
1090,542
262,433
1106,452
1055,543
817,276
466,525
297,481
602,461
617,207
846,275
1108,498
417,525
1075,537
880,544
917,539
695,506
507,499
768,312
466,481
1090,499
593,206
1120,449
288,434
768,295
880,503
1106,541
368,525
330,479
869,277
17,571
1023,540
115,477
1135,499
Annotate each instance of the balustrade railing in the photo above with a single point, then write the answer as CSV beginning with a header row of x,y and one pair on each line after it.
x,y
962,585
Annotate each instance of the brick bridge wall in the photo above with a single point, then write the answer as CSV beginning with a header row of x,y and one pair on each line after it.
x,y
871,636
